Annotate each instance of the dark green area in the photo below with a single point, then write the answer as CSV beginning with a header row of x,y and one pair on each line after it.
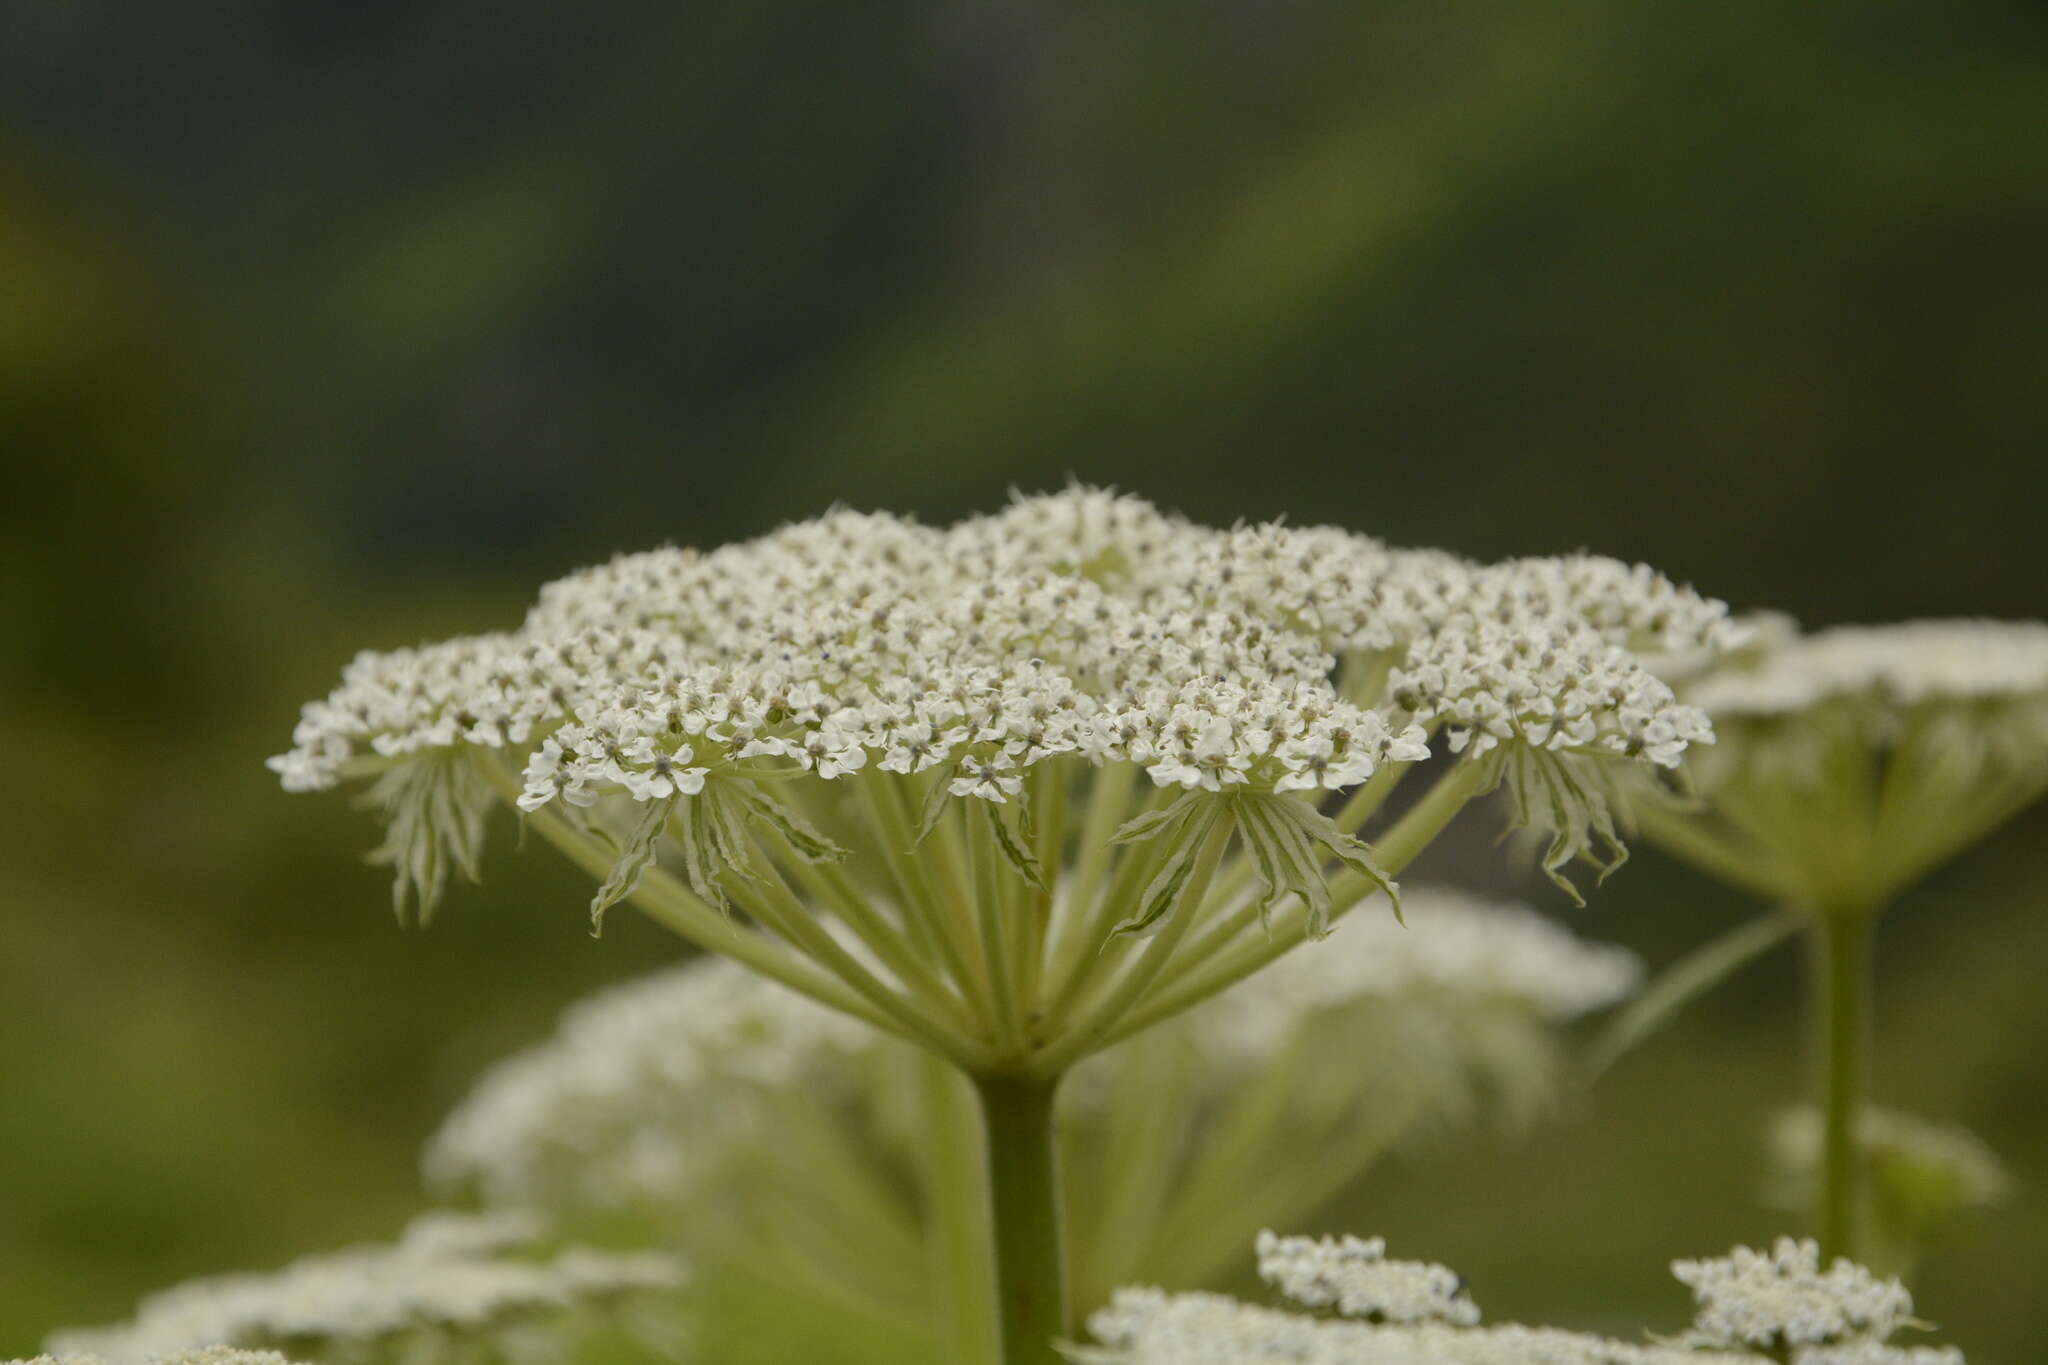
x,y
341,324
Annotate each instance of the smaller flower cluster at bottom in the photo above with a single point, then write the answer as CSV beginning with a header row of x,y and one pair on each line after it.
x,y
204,1355
453,1286
1754,1308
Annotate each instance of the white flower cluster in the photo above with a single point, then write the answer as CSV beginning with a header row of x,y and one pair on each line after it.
x,y
1151,1327
1269,658
1783,1299
1354,1276
203,1355
447,1274
1457,952
1754,1309
1973,692
1878,1353
641,1090
1853,761
1902,665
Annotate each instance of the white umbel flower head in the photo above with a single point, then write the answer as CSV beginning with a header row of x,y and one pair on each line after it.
x,y
1353,1276
445,1281
700,729
203,1355
1852,761
1763,1310
1151,1327
645,1091
1782,1299
1459,955
1906,665
1876,1353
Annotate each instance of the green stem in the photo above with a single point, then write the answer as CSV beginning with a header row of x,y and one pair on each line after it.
x,y
1031,1280
1683,982
1841,944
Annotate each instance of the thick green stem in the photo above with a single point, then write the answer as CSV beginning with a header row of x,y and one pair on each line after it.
x,y
1031,1276
1841,944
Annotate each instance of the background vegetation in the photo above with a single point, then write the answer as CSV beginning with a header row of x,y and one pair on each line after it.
x,y
330,323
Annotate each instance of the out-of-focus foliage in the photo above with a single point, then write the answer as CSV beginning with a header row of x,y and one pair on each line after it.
x,y
325,322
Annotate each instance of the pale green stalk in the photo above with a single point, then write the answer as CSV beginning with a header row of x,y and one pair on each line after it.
x,y
891,816
1682,983
990,893
1841,944
887,941
1049,803
1090,942
769,899
1079,1038
1109,804
672,905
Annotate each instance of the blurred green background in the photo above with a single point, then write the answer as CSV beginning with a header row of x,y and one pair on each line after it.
x,y
328,324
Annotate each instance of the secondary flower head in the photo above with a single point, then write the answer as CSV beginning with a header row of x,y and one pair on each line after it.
x,y
1782,1299
1461,958
1353,1276
1754,1309
1854,760
452,1285
204,1355
646,1092
699,728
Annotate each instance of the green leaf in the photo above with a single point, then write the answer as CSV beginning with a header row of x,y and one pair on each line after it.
x,y
635,857
1272,860
936,799
810,845
700,855
1016,853
1193,824
433,807
1261,844
1573,799
1155,822
724,815
1355,854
